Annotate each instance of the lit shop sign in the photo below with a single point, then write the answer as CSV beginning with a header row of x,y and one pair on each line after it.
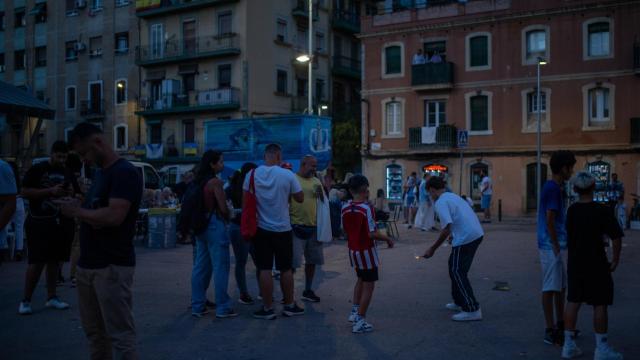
x,y
434,168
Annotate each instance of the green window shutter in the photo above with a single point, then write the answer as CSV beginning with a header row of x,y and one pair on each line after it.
x,y
479,113
479,51
393,59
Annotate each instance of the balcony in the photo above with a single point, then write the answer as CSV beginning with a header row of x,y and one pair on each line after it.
x,y
348,21
152,8
176,51
432,76
203,101
636,58
446,138
346,67
635,132
300,10
92,110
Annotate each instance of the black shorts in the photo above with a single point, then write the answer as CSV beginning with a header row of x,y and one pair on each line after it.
x,y
591,288
367,275
48,241
269,244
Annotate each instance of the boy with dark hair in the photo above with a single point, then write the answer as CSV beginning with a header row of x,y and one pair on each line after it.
x,y
552,244
360,226
589,271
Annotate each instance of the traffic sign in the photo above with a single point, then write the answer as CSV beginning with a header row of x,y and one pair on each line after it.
x,y
463,138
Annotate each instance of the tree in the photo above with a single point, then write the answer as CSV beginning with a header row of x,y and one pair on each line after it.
x,y
346,146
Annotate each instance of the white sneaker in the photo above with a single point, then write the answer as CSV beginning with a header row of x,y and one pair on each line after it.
x,y
57,304
361,326
607,353
25,308
570,350
453,307
353,315
468,316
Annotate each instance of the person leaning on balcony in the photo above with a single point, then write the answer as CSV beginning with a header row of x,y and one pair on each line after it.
x,y
418,58
436,58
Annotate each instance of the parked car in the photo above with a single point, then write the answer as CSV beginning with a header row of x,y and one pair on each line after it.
x,y
150,177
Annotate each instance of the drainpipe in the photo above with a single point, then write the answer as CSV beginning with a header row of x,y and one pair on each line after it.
x,y
367,143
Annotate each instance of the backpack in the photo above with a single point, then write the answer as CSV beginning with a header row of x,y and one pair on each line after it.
x,y
194,215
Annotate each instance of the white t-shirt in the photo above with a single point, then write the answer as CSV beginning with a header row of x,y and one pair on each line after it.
x,y
273,186
487,186
465,226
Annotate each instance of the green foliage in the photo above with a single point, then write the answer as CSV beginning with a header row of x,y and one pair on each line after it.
x,y
346,146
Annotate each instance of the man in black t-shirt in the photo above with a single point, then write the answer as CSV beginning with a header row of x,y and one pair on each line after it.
x,y
589,270
49,233
107,258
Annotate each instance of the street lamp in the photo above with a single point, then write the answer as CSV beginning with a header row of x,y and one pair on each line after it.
x,y
303,58
308,58
541,62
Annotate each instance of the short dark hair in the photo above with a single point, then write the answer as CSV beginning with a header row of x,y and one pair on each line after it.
x,y
272,149
59,147
357,183
560,159
83,131
435,182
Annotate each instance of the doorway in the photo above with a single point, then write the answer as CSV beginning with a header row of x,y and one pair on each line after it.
x,y
474,183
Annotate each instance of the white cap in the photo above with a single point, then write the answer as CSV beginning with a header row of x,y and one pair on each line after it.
x,y
583,180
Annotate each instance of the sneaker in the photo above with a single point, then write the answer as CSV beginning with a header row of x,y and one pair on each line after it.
x,y
200,314
74,282
25,308
293,310
549,336
570,351
55,303
361,326
210,304
246,299
453,307
227,314
309,295
607,353
264,314
353,315
468,316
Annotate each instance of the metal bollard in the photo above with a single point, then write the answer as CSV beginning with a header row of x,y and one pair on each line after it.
x,y
499,210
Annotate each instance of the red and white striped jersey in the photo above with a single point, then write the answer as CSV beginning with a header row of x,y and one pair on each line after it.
x,y
359,222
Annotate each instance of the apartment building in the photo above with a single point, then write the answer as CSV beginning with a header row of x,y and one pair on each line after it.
x,y
77,55
483,80
207,60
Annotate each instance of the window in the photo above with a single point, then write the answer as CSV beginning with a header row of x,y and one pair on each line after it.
x,y
122,2
70,51
224,76
479,108
301,39
393,60
157,41
189,131
20,60
393,118
436,47
320,90
281,30
122,42
96,5
189,82
281,87
2,25
536,42
478,52
20,18
301,87
70,7
189,36
435,113
2,65
598,106
120,135
532,102
121,91
155,133
70,98
598,39
225,23
40,12
320,42
95,46
530,108
41,56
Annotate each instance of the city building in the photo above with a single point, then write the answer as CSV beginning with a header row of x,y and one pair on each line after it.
x,y
77,56
483,80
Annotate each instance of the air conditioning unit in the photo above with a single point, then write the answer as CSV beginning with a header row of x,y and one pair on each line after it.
x,y
79,46
81,4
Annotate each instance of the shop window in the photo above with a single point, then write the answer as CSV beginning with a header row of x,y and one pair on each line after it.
x,y
394,182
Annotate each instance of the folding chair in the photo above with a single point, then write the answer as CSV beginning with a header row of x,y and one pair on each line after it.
x,y
392,223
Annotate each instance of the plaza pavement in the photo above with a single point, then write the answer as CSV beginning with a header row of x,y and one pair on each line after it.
x,y
407,311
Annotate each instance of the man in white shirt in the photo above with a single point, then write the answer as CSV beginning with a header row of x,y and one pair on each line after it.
x,y
486,188
273,187
459,221
418,58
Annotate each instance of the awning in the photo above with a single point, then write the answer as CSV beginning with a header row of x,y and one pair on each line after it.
x,y
188,69
155,75
38,9
17,101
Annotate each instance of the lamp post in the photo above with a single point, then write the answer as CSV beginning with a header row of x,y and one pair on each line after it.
x,y
541,62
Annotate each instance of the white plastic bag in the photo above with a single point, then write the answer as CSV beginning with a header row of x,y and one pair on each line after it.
x,y
323,215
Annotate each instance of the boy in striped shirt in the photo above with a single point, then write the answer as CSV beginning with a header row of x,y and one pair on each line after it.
x,y
360,226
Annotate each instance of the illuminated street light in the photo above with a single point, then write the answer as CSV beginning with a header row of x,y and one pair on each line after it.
x,y
303,58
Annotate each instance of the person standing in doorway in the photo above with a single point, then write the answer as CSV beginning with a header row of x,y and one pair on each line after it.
x,y
304,224
486,189
107,256
552,244
459,221
273,188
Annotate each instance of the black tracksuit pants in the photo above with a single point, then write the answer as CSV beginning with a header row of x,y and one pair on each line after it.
x,y
459,263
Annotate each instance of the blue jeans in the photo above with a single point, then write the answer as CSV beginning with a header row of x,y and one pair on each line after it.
x,y
241,251
212,256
